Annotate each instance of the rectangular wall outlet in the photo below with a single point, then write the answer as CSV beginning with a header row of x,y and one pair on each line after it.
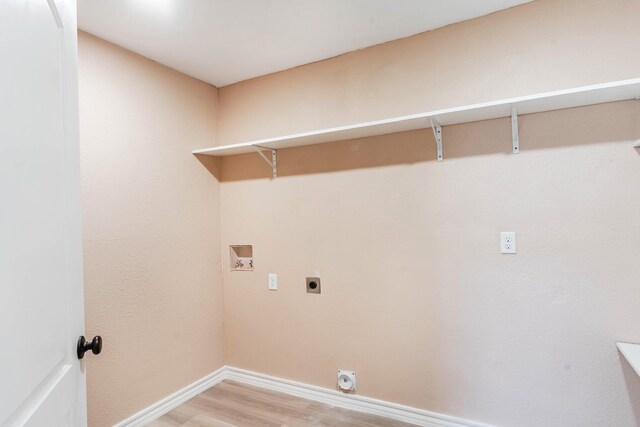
x,y
508,242
273,282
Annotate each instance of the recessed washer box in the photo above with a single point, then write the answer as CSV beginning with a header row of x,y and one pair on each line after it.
x,y
241,257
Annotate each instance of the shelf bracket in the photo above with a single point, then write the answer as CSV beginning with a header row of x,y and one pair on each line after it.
x,y
437,134
515,139
273,162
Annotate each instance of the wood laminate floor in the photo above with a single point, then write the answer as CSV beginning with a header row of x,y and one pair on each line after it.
x,y
231,403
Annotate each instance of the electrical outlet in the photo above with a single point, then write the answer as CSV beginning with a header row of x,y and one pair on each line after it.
x,y
508,242
273,282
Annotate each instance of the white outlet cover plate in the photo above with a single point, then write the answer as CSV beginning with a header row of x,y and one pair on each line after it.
x,y
508,242
273,282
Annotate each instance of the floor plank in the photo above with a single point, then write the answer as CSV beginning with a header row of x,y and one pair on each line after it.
x,y
231,403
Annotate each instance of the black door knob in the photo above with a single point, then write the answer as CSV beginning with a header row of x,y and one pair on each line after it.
x,y
95,345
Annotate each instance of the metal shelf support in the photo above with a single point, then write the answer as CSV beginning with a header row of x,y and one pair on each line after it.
x,y
437,134
514,130
273,162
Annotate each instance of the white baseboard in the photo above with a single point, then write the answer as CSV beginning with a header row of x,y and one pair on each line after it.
x,y
319,394
160,408
349,401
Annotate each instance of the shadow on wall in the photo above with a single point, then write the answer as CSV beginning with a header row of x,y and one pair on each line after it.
x,y
212,164
587,125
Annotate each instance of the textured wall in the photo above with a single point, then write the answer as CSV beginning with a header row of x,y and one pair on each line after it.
x,y
151,230
416,297
540,46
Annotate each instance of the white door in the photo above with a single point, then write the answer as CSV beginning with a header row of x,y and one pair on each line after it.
x,y
42,382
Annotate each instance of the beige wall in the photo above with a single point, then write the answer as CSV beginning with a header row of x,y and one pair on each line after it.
x,y
151,230
416,296
540,46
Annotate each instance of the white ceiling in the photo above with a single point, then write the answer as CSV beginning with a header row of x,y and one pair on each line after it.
x,y
226,41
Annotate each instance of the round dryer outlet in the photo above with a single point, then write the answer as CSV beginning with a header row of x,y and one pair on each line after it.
x,y
346,380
